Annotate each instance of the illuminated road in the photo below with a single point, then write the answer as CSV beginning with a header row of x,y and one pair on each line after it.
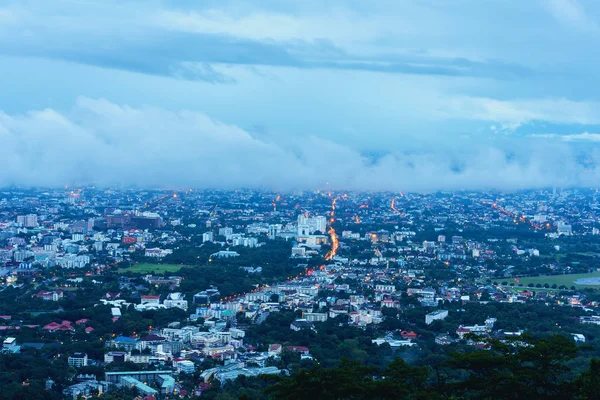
x,y
274,203
154,203
335,245
516,217
393,206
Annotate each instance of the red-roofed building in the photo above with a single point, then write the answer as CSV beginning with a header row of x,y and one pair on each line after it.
x,y
112,295
462,331
82,321
89,329
408,335
475,329
150,299
51,296
390,303
298,349
63,326
9,327
274,349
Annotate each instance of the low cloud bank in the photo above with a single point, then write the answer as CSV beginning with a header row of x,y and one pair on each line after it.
x,y
102,143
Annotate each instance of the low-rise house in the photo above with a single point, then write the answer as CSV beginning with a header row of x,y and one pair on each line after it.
x,y
578,337
49,295
298,349
176,300
55,327
86,389
390,303
436,315
315,317
125,343
274,350
157,253
409,335
78,360
475,329
150,299
184,366
594,319
300,324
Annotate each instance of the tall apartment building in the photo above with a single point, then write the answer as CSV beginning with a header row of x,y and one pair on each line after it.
x,y
28,221
309,225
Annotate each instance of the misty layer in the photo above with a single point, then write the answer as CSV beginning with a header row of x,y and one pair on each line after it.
x,y
102,143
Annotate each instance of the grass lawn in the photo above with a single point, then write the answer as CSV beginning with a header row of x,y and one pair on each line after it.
x,y
562,256
146,268
567,280
64,289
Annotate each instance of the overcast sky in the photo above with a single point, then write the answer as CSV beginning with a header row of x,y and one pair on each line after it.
x,y
374,95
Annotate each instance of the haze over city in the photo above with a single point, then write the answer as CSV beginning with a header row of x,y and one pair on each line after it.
x,y
387,95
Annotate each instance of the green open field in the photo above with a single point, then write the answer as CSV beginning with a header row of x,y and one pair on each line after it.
x,y
146,268
567,280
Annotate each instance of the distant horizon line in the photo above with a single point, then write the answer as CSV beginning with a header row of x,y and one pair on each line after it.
x,y
273,190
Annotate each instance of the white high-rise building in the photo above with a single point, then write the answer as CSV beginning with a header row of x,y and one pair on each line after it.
x,y
303,230
78,360
208,237
564,229
309,225
28,221
320,224
225,231
303,219
274,229
31,221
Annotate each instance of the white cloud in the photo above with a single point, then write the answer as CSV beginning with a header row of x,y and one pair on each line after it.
x,y
6,16
342,26
519,111
585,136
105,143
571,14
579,137
260,25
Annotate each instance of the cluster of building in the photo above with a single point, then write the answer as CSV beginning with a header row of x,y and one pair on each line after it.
x,y
354,258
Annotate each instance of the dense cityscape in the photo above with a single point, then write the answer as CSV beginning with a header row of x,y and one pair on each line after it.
x,y
127,293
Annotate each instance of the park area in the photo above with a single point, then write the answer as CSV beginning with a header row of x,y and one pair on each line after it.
x,y
147,268
590,280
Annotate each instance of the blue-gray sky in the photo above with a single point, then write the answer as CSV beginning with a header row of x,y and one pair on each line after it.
x,y
398,95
